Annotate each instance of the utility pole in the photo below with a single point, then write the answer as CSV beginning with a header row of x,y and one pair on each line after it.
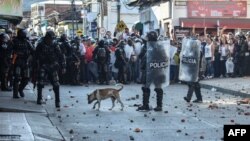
x,y
118,11
73,18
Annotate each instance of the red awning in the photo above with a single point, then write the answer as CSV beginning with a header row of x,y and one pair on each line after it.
x,y
213,22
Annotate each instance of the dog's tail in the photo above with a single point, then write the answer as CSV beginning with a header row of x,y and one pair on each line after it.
x,y
119,85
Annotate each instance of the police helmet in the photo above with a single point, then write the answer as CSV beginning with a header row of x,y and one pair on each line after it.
x,y
22,34
152,36
50,34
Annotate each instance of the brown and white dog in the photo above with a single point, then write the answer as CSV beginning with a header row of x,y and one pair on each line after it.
x,y
101,94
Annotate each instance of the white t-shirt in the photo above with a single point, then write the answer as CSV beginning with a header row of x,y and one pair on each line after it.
x,y
82,49
128,51
138,48
208,50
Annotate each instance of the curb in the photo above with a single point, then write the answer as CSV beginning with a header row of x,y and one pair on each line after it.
x,y
226,91
20,110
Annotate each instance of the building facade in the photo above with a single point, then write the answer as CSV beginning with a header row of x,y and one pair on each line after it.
x,y
179,16
104,15
60,16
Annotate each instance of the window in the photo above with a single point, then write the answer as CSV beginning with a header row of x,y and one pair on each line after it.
x,y
180,3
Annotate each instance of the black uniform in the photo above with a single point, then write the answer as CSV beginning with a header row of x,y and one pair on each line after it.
x,y
152,37
67,50
121,63
5,61
22,52
240,49
101,56
74,63
49,59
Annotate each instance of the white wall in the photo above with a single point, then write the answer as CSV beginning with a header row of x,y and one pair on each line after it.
x,y
157,13
129,16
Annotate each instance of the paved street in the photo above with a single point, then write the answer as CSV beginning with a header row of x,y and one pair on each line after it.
x,y
179,121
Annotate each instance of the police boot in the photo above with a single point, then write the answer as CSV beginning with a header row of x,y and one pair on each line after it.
x,y
159,95
4,84
39,96
145,101
198,94
15,90
57,96
21,88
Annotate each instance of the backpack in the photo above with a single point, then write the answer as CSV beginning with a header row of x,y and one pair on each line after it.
x,y
101,53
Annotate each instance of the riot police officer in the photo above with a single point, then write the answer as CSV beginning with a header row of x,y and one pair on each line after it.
x,y
49,59
74,61
101,55
22,53
5,60
155,69
67,50
190,63
121,63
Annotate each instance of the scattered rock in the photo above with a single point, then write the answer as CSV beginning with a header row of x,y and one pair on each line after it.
x,y
84,138
67,115
137,130
97,115
84,113
131,138
247,114
178,131
50,89
153,119
186,134
201,137
72,96
145,115
222,117
175,107
137,105
244,101
60,120
95,132
190,110
59,117
72,105
65,106
76,101
213,106
58,109
165,112
183,120
69,91
71,131
137,96
131,121
132,98
25,102
232,120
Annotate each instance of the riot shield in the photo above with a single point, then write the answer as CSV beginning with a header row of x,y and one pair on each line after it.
x,y
158,63
189,60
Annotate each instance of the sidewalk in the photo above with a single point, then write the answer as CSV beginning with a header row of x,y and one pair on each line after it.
x,y
22,119
233,86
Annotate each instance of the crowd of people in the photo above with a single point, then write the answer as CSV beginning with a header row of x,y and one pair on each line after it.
x,y
84,60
